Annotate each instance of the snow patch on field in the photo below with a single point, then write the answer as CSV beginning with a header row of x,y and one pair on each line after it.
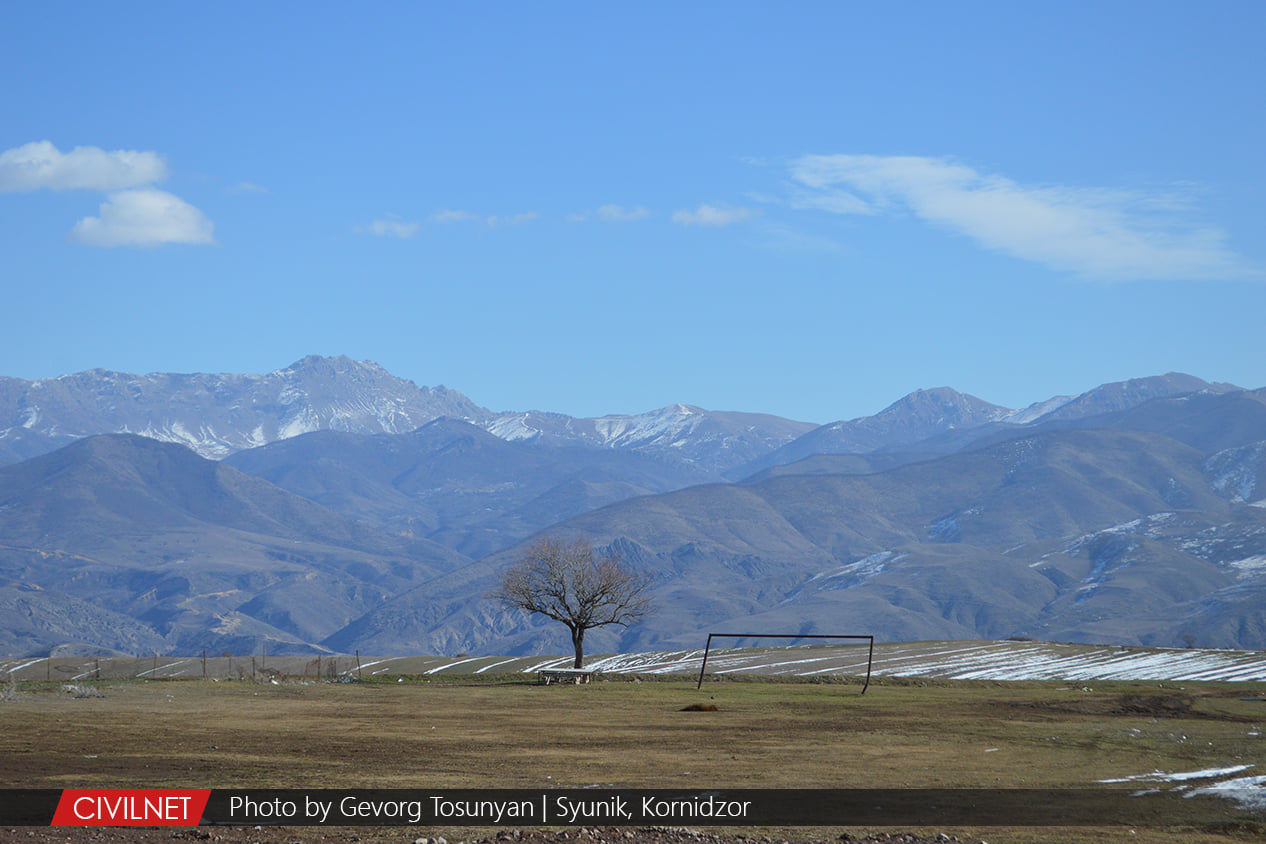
x,y
1043,661
1249,792
1161,776
959,661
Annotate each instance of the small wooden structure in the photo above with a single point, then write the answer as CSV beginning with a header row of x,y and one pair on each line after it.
x,y
565,675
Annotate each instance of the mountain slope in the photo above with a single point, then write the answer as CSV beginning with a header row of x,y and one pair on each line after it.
x,y
942,421
1123,395
457,484
1208,420
715,441
908,420
198,552
987,543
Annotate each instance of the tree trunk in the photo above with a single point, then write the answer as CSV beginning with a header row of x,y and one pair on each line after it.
x,y
578,640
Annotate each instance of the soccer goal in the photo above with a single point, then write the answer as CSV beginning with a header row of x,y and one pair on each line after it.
x,y
870,651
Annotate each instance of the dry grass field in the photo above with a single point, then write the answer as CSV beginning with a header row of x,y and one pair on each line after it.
x,y
484,732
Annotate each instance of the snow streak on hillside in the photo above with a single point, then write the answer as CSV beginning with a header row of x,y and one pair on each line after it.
x,y
947,660
961,661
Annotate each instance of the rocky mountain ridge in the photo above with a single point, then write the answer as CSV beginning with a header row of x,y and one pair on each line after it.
x,y
218,414
1135,517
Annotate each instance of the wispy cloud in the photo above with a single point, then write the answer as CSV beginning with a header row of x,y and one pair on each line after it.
x,y
513,220
450,215
41,165
1099,233
144,217
784,238
620,214
712,215
612,214
391,228
246,188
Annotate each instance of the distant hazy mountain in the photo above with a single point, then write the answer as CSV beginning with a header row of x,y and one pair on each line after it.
x,y
193,554
941,421
1123,395
460,485
908,420
1209,420
1112,536
351,509
713,440
216,415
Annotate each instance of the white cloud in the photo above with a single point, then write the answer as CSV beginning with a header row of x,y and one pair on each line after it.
x,y
392,228
131,215
144,217
1093,232
711,215
246,187
41,165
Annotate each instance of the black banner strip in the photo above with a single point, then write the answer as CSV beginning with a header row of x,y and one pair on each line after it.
x,y
673,807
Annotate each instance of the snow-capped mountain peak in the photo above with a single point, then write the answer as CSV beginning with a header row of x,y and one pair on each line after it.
x,y
218,414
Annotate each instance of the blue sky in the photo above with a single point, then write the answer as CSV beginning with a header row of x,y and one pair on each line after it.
x,y
806,209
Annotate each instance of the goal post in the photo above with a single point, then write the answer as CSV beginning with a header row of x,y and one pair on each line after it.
x,y
870,652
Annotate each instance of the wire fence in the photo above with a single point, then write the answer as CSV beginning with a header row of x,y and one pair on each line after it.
x,y
961,660
224,667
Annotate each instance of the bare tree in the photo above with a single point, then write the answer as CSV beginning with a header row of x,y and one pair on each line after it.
x,y
568,582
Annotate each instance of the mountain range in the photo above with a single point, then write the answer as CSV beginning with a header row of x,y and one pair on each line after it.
x,y
216,415
332,506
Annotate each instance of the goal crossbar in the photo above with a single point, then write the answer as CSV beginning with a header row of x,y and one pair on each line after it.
x,y
870,653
